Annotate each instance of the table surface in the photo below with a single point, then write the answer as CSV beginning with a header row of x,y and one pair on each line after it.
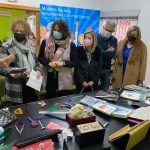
x,y
33,111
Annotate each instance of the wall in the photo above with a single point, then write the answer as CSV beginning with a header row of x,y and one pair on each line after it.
x,y
104,5
5,24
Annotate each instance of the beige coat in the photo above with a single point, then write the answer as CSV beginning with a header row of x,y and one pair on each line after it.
x,y
135,68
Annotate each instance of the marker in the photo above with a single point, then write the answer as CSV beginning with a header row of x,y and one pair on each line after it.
x,y
106,124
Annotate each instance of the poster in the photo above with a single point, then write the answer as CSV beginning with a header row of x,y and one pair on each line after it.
x,y
79,20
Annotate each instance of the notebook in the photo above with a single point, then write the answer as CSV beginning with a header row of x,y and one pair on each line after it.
x,y
106,107
128,137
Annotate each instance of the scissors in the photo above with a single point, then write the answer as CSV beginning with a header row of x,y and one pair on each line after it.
x,y
19,123
34,123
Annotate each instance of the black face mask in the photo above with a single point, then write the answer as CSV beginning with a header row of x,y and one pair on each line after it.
x,y
131,38
19,37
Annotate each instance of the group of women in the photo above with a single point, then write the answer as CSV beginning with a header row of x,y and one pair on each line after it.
x,y
65,64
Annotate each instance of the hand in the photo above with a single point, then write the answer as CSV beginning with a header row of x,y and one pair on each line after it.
x,y
140,83
20,74
16,75
91,83
59,63
52,64
10,58
38,74
85,84
5,62
111,49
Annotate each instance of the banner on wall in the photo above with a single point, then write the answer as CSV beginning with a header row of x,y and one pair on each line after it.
x,y
79,20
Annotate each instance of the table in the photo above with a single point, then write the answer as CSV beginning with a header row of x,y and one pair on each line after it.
x,y
114,124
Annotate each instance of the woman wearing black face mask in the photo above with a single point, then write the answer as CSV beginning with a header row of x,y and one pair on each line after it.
x,y
131,60
25,57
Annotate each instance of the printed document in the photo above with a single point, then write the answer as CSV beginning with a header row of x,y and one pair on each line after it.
x,y
33,82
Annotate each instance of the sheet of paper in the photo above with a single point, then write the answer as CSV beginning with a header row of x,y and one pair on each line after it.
x,y
33,82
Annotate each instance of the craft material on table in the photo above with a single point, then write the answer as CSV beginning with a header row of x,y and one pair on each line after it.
x,y
19,127
34,123
6,117
42,127
41,103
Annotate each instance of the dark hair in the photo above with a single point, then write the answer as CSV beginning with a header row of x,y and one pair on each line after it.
x,y
32,35
63,28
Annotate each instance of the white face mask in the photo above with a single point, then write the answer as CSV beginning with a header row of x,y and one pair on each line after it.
x,y
106,34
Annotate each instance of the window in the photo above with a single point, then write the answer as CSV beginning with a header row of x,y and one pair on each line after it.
x,y
122,26
124,20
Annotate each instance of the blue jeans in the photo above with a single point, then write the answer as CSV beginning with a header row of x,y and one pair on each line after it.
x,y
105,80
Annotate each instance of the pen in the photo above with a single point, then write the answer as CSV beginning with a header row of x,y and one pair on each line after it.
x,y
106,124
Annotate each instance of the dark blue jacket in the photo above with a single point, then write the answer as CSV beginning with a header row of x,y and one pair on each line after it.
x,y
85,72
107,55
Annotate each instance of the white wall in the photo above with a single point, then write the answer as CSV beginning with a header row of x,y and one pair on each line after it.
x,y
104,5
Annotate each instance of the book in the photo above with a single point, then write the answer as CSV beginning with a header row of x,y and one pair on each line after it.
x,y
108,96
121,111
133,95
137,88
89,101
106,107
128,137
142,113
134,87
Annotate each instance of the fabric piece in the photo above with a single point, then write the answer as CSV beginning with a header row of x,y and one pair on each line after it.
x,y
56,106
53,126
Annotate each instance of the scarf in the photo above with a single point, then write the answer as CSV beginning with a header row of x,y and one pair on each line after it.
x,y
50,47
24,53
65,74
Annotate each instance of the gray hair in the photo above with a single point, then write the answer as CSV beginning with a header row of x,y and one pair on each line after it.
x,y
23,22
111,23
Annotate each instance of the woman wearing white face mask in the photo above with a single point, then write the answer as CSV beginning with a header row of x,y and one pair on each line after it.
x,y
89,64
58,56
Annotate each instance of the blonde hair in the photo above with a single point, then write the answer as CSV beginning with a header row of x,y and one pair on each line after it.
x,y
94,40
134,28
22,22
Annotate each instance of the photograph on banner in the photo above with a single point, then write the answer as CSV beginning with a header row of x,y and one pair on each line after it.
x,y
79,21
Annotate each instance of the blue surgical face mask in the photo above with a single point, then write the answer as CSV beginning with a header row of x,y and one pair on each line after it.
x,y
106,34
57,35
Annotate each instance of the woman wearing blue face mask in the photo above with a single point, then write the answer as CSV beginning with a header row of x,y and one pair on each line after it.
x,y
89,64
58,56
